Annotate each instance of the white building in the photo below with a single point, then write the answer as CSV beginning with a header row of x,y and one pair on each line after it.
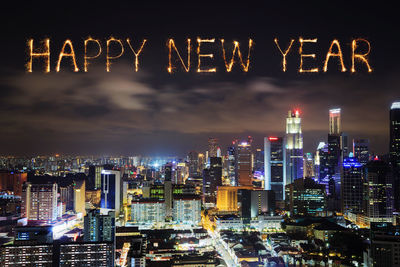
x,y
187,210
39,202
148,211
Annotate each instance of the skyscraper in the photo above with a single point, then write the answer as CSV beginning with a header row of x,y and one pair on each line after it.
x,y
212,178
334,121
243,166
361,150
194,168
111,191
394,150
212,147
335,145
39,202
352,186
294,146
379,198
275,166
231,163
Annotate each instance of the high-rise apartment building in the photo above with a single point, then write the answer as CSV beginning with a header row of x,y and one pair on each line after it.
x,y
39,202
99,227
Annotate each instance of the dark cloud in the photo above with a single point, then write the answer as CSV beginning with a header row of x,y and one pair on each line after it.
x,y
125,109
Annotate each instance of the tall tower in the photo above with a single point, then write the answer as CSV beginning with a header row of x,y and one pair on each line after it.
x,y
352,186
212,147
335,145
379,198
275,166
334,121
243,164
394,150
294,146
361,150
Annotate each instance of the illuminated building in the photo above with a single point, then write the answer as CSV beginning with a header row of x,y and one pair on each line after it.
x,y
181,173
335,121
394,150
39,202
187,210
352,186
111,187
231,163
99,227
168,190
305,197
379,198
259,161
12,181
262,202
227,197
27,255
321,162
95,177
294,147
194,167
334,152
148,211
79,197
93,197
243,166
67,195
31,235
212,177
361,150
212,147
156,192
308,166
253,203
91,254
275,166
202,162
58,254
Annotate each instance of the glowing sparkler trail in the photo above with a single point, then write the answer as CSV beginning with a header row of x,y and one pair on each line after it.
x,y
236,48
171,44
112,39
90,39
302,41
284,54
64,54
331,54
360,57
136,53
199,41
45,54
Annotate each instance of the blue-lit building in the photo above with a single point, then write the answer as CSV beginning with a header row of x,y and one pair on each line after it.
x,y
352,186
111,191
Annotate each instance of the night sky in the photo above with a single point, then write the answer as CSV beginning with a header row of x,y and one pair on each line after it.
x,y
152,112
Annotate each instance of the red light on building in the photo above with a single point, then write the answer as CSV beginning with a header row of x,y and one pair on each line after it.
x,y
272,138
